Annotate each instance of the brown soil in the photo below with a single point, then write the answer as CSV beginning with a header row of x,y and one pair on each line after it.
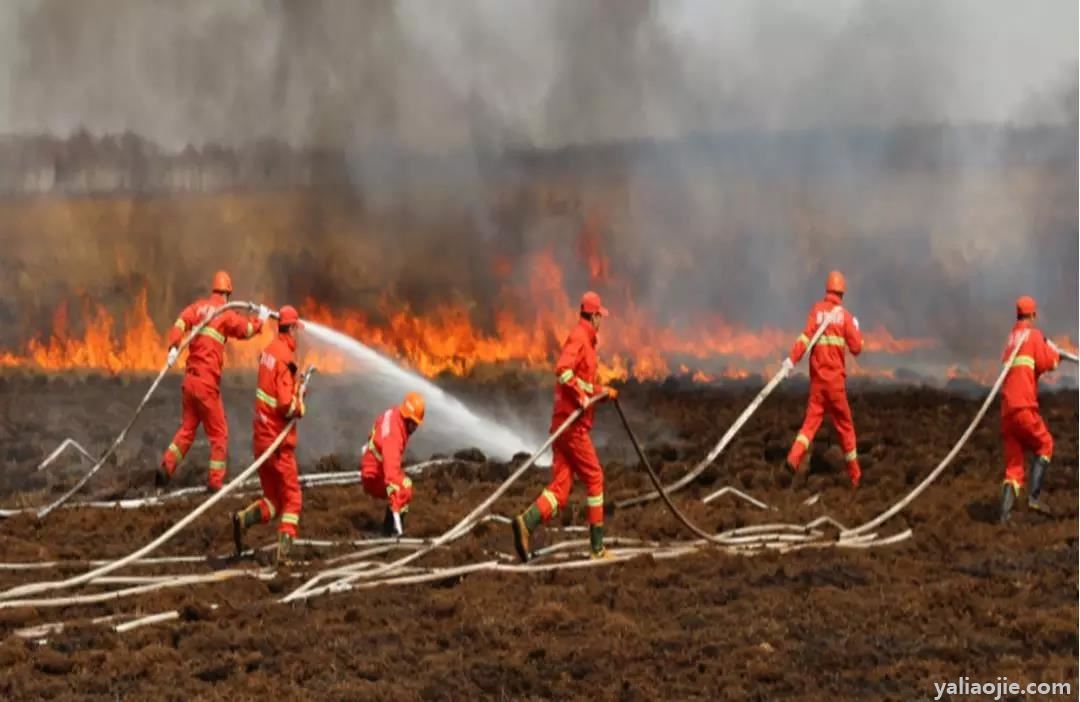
x,y
963,597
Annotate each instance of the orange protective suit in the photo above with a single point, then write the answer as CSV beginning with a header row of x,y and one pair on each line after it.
x,y
380,467
1022,428
201,388
828,374
573,452
276,403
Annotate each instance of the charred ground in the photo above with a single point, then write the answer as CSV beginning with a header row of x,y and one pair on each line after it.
x,y
962,597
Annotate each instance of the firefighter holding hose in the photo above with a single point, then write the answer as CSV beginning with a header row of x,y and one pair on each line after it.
x,y
828,374
277,402
201,388
573,451
1022,428
381,471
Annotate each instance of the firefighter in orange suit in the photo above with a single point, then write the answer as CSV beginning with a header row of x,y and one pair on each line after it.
x,y
573,452
277,402
380,467
828,374
1022,428
201,389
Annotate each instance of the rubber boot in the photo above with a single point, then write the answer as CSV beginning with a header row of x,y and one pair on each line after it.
x,y
284,545
388,523
1008,498
1035,480
161,478
799,478
242,521
597,552
238,532
523,526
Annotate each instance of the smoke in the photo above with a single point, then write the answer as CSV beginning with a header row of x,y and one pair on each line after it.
x,y
733,152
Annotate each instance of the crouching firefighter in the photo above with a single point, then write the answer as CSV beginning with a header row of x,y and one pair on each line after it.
x,y
1022,428
381,471
277,401
573,452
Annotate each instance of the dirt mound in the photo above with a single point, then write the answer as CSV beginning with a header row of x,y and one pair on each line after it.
x,y
962,597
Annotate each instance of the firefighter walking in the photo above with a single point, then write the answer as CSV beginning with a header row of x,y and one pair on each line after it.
x,y
573,452
201,388
1022,427
381,469
277,401
828,374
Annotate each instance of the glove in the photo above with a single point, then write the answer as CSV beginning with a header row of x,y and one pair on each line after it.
x,y
398,530
264,313
787,366
174,353
855,321
301,408
612,393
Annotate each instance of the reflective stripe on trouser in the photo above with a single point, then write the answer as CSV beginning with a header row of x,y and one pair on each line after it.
x,y
573,457
832,400
200,404
281,487
374,481
1024,430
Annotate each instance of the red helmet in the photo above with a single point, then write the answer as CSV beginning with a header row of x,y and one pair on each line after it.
x,y
288,316
1025,306
835,283
590,304
412,407
222,283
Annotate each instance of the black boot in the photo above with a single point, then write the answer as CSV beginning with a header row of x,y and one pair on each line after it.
x,y
1008,498
388,524
238,532
1039,464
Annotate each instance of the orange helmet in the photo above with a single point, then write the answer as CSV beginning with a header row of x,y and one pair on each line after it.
x,y
590,304
1025,306
288,316
412,407
835,283
222,283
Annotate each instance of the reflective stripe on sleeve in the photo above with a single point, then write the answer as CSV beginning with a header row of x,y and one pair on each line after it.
x,y
566,376
803,338
803,440
181,325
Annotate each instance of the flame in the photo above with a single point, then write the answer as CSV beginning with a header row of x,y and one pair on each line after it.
x,y
533,315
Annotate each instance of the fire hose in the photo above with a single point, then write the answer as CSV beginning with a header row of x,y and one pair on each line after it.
x,y
34,588
732,430
918,489
308,590
1068,355
251,307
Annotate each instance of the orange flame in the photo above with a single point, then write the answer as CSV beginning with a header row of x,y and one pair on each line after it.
x,y
532,318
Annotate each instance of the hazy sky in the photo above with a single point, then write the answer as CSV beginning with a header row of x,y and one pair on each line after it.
x,y
436,74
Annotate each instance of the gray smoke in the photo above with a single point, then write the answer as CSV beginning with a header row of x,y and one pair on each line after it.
x,y
739,150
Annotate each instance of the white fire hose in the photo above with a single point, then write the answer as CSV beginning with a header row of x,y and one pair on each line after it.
x,y
734,428
33,588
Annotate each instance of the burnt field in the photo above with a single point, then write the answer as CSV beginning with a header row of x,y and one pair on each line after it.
x,y
961,597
